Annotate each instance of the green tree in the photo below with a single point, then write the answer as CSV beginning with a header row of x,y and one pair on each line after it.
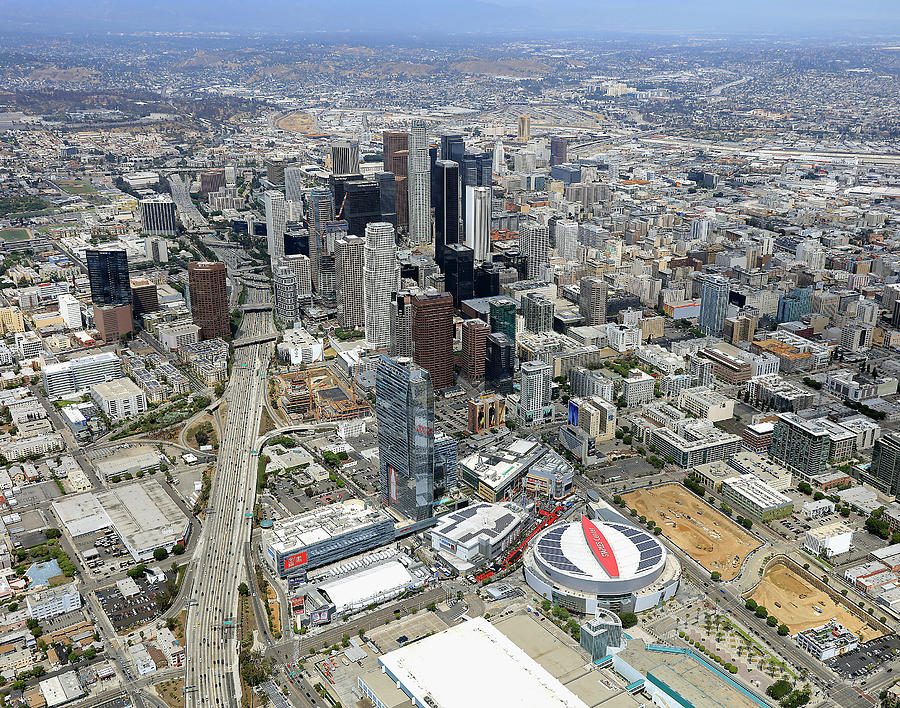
x,y
628,619
783,630
779,689
160,554
243,590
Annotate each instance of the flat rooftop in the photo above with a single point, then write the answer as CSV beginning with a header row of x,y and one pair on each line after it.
x,y
321,524
492,521
495,671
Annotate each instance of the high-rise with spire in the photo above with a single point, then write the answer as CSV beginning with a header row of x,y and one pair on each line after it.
x,y
419,180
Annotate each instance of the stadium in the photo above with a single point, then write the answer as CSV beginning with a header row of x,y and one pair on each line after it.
x,y
585,565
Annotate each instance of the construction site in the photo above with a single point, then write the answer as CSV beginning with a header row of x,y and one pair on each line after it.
x,y
316,393
705,534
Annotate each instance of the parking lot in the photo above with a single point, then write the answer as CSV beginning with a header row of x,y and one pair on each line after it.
x,y
868,658
103,553
127,612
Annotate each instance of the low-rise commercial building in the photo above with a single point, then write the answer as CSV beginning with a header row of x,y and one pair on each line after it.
x,y
52,602
829,540
827,641
119,398
749,492
478,533
702,402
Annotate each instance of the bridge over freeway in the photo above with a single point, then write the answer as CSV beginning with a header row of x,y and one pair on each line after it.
x,y
258,339
256,307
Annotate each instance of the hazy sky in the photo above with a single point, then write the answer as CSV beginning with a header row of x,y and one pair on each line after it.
x,y
797,17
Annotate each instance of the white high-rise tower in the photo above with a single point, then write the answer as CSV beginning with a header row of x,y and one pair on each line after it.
x,y
419,180
478,221
276,223
381,281
534,244
499,160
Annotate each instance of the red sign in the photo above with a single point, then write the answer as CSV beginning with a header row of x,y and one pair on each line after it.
x,y
295,560
424,430
600,547
297,605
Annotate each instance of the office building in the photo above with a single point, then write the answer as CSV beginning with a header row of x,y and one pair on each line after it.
x,y
70,311
694,442
158,216
432,334
534,244
500,361
637,388
558,150
502,313
209,299
459,272
212,181
453,147
401,324
419,180
474,334
523,131
113,321
300,265
702,402
321,207
831,540
108,276
52,602
749,493
534,401
80,374
884,472
275,168
478,221
827,641
800,444
740,329
714,291
119,398
381,281
156,250
446,464
592,301
349,260
144,296
344,158
360,206
293,185
387,193
276,224
537,312
446,210
404,407
396,157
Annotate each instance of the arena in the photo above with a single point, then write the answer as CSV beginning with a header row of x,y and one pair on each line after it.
x,y
610,564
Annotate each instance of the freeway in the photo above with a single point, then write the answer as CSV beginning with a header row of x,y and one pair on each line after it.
x,y
211,665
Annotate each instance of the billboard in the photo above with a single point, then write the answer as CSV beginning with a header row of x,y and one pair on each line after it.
x,y
297,604
295,560
392,483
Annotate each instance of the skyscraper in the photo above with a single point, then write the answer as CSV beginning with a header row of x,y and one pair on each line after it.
x,y
108,276
293,184
209,299
381,281
503,317
275,171
478,221
487,280
559,148
419,184
566,233
321,207
453,147
344,158
714,291
158,216
524,128
360,206
349,257
299,264
499,361
285,284
537,312
592,301
884,471
446,211
459,272
276,224
498,159
432,334
474,171
534,401
401,324
404,408
387,191
396,161
474,348
534,244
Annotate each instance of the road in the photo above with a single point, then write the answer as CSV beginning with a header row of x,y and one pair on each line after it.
x,y
211,666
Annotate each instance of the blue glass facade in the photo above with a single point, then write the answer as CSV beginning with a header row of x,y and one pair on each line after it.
x,y
404,408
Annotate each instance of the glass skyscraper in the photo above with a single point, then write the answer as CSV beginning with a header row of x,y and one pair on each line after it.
x,y
108,276
404,407
714,292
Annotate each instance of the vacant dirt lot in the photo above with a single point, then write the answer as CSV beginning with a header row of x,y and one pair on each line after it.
x,y
706,535
797,598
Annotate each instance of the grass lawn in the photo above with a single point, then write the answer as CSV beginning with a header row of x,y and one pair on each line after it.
x,y
75,187
14,234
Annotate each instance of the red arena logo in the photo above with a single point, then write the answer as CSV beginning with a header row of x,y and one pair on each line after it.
x,y
600,547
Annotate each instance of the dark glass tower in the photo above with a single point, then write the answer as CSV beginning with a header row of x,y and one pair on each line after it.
x,y
487,280
108,275
405,411
503,317
459,271
446,210
387,189
361,207
453,147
